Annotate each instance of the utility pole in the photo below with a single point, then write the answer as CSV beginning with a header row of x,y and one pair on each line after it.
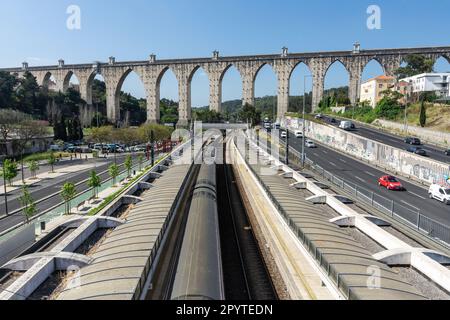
x,y
152,146
4,185
98,125
287,146
304,122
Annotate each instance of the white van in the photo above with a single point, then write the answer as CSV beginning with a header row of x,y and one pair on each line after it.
x,y
440,193
346,125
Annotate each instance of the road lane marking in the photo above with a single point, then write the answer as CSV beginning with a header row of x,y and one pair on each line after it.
x,y
333,164
409,205
316,154
415,194
370,174
342,160
326,152
360,179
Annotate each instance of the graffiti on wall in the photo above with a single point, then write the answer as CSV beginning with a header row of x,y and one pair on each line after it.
x,y
385,156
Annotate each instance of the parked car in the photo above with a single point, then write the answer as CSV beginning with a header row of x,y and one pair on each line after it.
x,y
319,116
417,150
439,193
55,147
67,146
283,134
299,134
333,120
447,152
310,144
390,183
413,141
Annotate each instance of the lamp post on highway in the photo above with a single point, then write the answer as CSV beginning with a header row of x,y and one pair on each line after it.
x,y
4,185
304,122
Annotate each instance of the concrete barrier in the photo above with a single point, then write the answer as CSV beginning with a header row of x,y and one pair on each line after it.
x,y
430,136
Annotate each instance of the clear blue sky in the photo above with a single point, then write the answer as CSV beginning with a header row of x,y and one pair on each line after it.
x,y
35,31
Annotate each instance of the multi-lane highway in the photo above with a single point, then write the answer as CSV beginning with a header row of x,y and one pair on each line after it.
x,y
353,171
46,188
393,140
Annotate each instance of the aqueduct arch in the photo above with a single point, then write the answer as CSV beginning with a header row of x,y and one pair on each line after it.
x,y
283,64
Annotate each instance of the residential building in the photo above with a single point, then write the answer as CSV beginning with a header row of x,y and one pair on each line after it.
x,y
372,89
430,82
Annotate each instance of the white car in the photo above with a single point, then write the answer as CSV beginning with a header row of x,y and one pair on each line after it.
x,y
298,134
310,144
346,125
440,193
283,134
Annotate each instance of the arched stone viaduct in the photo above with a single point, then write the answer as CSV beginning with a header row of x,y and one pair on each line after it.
x,y
152,71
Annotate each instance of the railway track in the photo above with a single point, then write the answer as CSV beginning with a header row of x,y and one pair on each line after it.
x,y
245,274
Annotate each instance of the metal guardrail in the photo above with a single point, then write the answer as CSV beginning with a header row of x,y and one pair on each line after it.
x,y
405,215
293,226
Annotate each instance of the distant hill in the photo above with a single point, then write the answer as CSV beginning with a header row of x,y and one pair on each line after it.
x,y
268,103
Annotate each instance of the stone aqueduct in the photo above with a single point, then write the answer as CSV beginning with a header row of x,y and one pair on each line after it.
x,y
152,71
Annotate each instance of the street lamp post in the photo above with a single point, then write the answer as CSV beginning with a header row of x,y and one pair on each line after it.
x,y
152,146
4,185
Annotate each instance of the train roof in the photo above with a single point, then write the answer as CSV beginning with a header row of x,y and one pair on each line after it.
x,y
122,261
346,260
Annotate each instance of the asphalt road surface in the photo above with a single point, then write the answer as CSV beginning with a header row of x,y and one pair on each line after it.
x,y
414,198
49,187
392,140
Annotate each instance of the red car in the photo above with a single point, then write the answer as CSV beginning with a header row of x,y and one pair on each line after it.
x,y
391,183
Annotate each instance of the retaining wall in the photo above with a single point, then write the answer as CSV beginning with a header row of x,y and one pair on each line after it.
x,y
392,159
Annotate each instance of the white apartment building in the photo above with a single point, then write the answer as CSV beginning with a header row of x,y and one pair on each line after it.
x,y
430,82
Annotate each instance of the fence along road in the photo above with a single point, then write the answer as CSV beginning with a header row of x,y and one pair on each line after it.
x,y
408,203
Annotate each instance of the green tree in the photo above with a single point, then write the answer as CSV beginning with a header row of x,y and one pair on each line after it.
x,y
52,160
423,114
33,165
9,171
161,132
415,64
9,119
114,172
68,193
103,134
389,107
28,130
128,165
249,113
140,159
94,182
8,83
28,206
